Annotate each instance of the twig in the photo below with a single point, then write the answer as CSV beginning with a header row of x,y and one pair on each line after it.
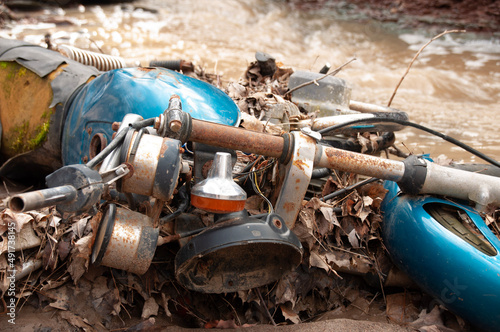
x,y
234,310
333,73
379,274
415,58
96,45
6,189
350,252
265,306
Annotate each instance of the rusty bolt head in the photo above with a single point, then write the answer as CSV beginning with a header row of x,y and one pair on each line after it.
x,y
175,126
157,123
89,130
85,159
115,125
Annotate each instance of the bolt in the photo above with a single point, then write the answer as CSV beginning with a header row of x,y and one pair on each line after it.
x,y
85,159
175,125
89,130
115,126
157,122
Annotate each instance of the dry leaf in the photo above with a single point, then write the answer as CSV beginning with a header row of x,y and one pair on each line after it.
x,y
286,289
19,219
353,238
80,256
164,303
150,308
250,122
24,239
329,215
400,307
289,314
315,259
76,321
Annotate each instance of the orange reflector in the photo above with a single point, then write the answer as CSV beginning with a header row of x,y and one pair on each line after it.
x,y
217,205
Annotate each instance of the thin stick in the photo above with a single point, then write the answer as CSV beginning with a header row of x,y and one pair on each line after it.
x,y
333,73
415,58
234,310
263,304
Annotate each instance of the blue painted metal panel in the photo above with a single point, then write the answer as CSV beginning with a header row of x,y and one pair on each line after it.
x,y
144,91
462,278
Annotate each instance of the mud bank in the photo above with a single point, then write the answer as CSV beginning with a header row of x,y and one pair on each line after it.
x,y
478,16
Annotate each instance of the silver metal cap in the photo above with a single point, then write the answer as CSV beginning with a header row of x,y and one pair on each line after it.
x,y
218,185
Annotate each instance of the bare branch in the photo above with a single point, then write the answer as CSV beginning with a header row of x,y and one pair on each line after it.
x,y
415,58
333,73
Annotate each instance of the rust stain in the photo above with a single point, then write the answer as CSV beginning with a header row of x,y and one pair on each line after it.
x,y
300,164
236,138
146,69
164,147
357,163
289,207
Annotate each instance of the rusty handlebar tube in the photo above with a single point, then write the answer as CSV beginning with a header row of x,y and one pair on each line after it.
x,y
42,198
236,138
414,175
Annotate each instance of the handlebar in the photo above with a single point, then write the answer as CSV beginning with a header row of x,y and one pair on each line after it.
x,y
42,198
414,175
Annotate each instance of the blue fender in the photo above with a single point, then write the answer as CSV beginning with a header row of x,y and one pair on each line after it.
x,y
143,91
463,277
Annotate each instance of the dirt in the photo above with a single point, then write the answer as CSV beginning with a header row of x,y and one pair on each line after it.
x,y
472,15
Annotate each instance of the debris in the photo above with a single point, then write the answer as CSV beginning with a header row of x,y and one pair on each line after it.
x,y
340,235
150,308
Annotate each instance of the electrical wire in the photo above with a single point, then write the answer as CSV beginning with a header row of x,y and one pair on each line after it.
x,y
256,188
143,123
347,189
271,163
418,126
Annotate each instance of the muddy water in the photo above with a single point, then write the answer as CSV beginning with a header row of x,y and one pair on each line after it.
x,y
454,86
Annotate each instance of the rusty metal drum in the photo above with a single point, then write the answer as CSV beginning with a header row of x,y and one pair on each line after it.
x,y
125,240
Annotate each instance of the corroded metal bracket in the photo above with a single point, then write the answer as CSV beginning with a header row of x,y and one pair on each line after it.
x,y
298,174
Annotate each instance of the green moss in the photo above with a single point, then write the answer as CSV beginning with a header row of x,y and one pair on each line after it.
x,y
10,68
22,133
26,142
42,132
22,71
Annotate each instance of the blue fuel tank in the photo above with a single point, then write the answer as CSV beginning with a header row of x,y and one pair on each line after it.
x,y
448,250
143,91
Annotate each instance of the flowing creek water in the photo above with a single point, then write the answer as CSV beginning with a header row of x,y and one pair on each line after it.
x,y
453,87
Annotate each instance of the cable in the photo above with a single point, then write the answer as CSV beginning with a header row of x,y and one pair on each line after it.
x,y
143,123
248,167
423,128
258,170
257,190
185,202
347,189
